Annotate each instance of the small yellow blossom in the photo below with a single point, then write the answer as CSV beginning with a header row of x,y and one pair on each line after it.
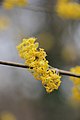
x,y
76,85
67,9
75,70
21,3
8,4
50,80
75,95
35,58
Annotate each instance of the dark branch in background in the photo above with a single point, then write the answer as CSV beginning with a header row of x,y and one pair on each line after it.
x,y
61,72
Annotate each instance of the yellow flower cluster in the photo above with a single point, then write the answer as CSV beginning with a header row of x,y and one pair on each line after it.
x,y
67,9
76,94
50,80
75,70
76,83
7,116
35,58
8,4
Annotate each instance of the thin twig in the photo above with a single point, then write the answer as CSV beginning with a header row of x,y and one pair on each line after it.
x,y
13,64
62,72
67,73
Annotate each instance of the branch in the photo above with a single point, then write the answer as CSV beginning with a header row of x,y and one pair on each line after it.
x,y
13,64
62,72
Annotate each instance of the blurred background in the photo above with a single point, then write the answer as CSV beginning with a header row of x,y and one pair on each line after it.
x,y
21,96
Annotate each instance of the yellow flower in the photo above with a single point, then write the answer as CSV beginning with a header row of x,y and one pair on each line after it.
x,y
8,4
76,85
75,95
7,116
21,3
50,80
27,49
35,58
67,9
75,70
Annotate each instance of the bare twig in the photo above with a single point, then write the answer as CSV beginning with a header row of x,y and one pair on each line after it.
x,y
13,64
62,72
